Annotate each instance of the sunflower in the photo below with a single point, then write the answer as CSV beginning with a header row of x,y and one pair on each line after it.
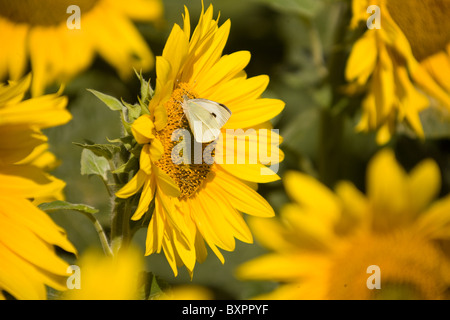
x,y
187,292
28,261
202,202
24,155
329,245
404,65
39,30
107,277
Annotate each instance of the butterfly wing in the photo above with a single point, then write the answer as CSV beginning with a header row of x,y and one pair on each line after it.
x,y
205,118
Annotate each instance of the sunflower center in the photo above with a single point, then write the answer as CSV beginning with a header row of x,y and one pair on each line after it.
x,y
41,12
188,176
409,268
425,24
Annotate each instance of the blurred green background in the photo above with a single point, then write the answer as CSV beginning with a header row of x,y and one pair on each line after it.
x,y
302,45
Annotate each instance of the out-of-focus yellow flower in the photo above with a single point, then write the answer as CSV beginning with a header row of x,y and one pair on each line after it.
x,y
39,30
201,202
103,277
187,292
402,65
27,258
325,243
27,235
24,155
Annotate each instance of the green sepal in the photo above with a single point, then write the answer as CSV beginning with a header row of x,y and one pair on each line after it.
x,y
102,150
110,101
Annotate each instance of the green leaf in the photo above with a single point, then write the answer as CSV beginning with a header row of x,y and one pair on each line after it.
x,y
146,90
87,211
93,164
102,150
131,164
154,286
131,112
110,101
128,142
63,205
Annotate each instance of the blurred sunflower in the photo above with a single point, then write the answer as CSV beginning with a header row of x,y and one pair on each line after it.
x,y
403,65
108,277
24,155
39,30
27,236
187,292
28,261
202,202
324,243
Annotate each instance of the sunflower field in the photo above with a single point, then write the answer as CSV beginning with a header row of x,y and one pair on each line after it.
x,y
225,150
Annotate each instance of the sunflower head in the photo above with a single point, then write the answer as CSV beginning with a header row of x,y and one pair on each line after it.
x,y
28,236
347,245
196,200
402,67
41,32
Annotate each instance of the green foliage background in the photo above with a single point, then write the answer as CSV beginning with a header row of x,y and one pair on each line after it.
x,y
302,45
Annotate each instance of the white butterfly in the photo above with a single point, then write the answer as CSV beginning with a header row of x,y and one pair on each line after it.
x,y
208,114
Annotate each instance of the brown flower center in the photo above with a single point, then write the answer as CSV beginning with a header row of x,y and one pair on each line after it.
x,y
409,268
424,22
188,176
42,12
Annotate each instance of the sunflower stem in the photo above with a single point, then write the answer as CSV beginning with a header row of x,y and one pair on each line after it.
x,y
332,121
101,234
120,224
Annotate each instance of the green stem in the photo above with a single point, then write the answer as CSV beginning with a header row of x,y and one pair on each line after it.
x,y
120,225
330,155
101,234
317,49
126,223
331,161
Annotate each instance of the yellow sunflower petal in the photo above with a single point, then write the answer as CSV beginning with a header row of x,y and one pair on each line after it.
x,y
242,197
362,60
18,277
227,67
438,66
387,189
145,163
167,185
251,172
133,186
312,195
254,112
142,129
270,234
434,223
424,184
155,231
27,181
284,267
148,191
30,247
215,228
176,49
37,221
238,90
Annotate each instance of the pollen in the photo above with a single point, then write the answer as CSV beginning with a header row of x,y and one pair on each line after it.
x,y
188,176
